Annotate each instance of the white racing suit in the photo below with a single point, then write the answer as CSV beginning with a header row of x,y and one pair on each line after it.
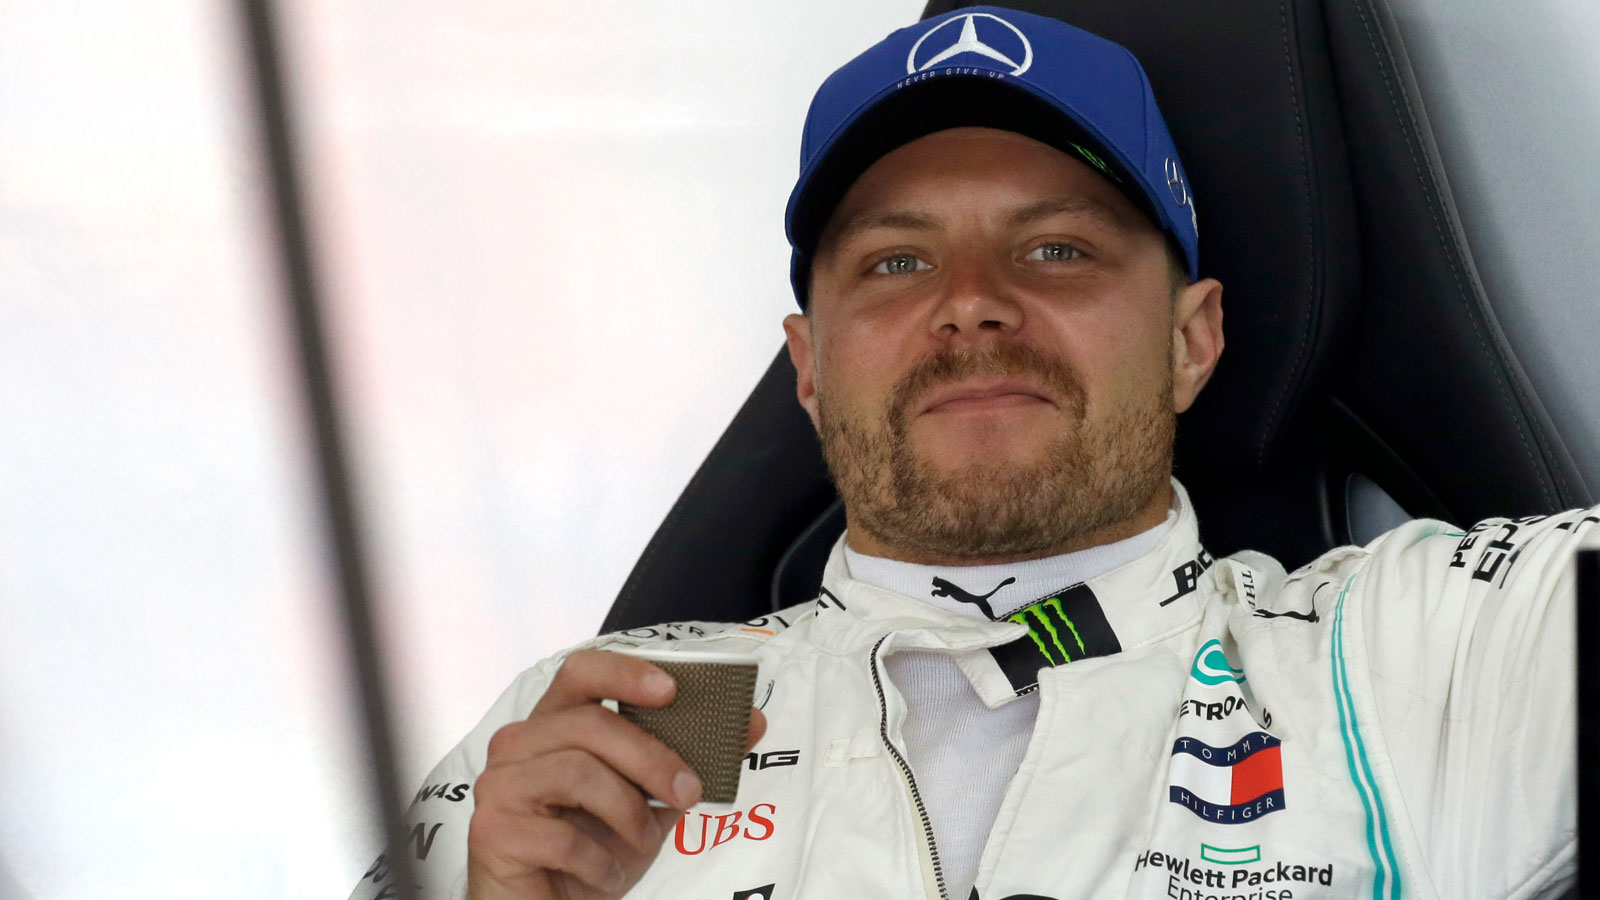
x,y
1390,721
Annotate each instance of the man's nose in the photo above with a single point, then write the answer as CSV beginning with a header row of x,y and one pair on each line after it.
x,y
976,304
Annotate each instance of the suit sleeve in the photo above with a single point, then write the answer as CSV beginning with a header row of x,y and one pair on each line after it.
x,y
1469,677
436,822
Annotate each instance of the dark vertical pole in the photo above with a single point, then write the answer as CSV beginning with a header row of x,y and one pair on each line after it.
x,y
1588,639
302,294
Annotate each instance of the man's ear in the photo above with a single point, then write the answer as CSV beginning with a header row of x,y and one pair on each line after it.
x,y
797,331
1196,339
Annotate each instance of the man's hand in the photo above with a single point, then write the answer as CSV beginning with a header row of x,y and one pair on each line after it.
x,y
560,806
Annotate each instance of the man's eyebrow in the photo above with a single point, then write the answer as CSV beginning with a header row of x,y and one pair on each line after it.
x,y
1073,205
914,220
866,219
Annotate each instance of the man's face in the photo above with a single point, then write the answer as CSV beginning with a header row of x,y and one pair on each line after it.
x,y
989,355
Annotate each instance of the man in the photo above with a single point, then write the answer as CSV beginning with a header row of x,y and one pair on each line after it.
x,y
997,693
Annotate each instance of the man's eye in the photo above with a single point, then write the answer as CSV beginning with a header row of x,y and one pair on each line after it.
x,y
1054,253
900,264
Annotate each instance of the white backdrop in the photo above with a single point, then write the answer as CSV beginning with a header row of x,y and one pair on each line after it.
x,y
561,256
553,236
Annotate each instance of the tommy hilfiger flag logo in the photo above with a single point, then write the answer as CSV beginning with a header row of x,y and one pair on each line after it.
x,y
1228,785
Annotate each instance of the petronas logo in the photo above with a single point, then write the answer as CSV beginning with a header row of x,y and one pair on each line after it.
x,y
1052,631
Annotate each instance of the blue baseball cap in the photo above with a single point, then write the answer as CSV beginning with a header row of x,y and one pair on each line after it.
x,y
997,68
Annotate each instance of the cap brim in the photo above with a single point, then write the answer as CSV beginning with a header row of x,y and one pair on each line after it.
x,y
952,101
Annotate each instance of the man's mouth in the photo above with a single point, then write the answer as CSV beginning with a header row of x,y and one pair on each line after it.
x,y
983,394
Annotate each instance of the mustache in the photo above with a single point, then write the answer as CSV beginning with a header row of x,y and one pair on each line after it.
x,y
1005,359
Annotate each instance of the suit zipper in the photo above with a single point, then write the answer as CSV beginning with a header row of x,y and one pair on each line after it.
x,y
905,771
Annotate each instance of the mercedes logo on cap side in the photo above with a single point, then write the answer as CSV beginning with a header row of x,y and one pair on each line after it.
x,y
1179,188
1175,183
968,42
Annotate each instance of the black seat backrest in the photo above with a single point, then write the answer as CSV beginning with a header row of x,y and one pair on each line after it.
x,y
1360,342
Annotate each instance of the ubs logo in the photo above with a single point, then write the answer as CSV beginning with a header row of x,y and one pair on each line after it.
x,y
1008,44
754,824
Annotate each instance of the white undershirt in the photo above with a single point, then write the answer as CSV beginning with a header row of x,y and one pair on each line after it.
x,y
962,753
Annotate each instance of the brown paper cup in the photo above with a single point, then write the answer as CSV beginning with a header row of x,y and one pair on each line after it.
x,y
708,719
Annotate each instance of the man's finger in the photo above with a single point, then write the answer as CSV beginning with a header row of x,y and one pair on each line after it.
x,y
589,676
633,752
758,728
666,819
561,846
571,779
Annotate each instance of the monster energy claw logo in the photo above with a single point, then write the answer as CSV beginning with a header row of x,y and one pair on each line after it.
x,y
1093,159
1042,611
1069,625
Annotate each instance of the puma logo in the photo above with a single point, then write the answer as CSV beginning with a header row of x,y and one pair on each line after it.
x,y
1293,614
942,588
1290,614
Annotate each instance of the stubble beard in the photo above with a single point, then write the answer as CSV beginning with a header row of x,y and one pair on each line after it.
x,y
1090,477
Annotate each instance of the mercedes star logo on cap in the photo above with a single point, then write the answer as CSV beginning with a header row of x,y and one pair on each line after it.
x,y
968,42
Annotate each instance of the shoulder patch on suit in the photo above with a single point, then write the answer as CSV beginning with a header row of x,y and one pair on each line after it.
x,y
758,628
1489,550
